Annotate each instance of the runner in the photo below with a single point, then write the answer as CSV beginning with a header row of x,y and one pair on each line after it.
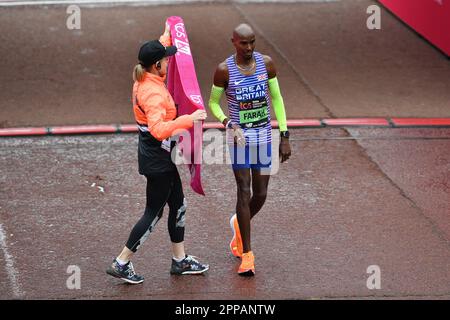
x,y
248,78
155,114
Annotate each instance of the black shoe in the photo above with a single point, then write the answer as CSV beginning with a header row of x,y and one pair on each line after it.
x,y
188,265
125,272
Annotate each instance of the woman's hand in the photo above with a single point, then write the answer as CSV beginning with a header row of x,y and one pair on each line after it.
x,y
167,30
198,115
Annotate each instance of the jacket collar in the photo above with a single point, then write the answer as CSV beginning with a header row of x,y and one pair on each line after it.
x,y
153,77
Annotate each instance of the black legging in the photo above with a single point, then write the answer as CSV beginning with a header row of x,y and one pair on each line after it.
x,y
161,189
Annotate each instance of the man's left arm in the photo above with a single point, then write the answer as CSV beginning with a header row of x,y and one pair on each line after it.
x,y
278,107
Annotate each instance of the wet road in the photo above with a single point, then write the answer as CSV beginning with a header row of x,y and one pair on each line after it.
x,y
341,204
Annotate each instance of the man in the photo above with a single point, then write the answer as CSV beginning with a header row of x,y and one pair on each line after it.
x,y
248,78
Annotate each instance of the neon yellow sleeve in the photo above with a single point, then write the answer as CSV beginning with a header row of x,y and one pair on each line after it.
x,y
214,103
277,103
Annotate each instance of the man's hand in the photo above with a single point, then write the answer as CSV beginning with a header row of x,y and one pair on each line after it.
x,y
285,149
238,135
237,132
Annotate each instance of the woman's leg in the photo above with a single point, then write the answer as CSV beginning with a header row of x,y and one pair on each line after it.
x,y
158,192
181,263
176,220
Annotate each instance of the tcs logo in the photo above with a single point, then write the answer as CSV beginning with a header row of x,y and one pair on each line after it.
x,y
180,33
245,105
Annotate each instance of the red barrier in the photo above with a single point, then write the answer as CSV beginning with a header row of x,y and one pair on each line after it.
x,y
295,123
11,132
84,129
301,123
430,18
128,128
364,122
290,123
418,122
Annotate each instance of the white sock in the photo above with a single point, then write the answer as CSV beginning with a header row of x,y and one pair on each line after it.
x,y
178,260
121,262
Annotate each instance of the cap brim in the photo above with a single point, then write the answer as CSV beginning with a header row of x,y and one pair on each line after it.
x,y
170,51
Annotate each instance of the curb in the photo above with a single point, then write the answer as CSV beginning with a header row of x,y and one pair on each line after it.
x,y
294,123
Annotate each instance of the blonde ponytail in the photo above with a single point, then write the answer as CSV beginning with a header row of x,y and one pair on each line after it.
x,y
138,73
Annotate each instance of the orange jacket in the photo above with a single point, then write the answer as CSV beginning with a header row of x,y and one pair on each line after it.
x,y
154,107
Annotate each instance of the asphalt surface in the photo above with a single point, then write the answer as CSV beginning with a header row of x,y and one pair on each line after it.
x,y
346,200
329,64
337,207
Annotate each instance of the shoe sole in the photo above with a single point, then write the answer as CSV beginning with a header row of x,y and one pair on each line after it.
x,y
190,272
248,273
234,237
115,275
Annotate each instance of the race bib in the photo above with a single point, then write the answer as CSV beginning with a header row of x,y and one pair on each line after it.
x,y
253,114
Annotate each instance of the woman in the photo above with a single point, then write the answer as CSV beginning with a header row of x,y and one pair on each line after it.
x,y
155,113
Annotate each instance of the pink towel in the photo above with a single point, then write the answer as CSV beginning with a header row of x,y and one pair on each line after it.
x,y
183,86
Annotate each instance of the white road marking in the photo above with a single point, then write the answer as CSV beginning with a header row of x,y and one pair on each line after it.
x,y
12,272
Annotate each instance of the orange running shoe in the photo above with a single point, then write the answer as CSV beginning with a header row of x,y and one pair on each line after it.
x,y
236,242
247,267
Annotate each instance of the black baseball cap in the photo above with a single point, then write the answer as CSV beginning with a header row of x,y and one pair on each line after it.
x,y
153,51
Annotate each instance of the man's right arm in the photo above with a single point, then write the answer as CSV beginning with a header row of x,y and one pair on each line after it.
x,y
220,84
218,87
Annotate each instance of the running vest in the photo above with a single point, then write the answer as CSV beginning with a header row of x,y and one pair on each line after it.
x,y
249,102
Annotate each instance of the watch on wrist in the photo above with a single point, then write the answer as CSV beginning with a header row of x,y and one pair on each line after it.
x,y
284,134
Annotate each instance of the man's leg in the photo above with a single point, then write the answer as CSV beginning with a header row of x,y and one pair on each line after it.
x,y
243,180
260,183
